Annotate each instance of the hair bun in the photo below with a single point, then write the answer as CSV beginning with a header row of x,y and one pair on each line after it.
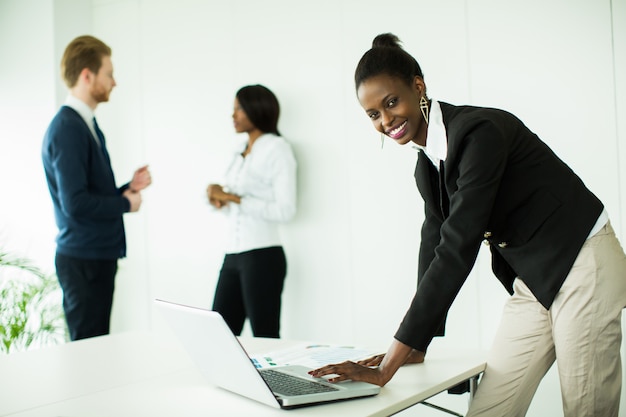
x,y
388,40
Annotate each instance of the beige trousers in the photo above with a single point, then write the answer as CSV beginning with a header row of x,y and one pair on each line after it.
x,y
582,331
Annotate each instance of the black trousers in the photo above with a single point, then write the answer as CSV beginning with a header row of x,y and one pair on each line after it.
x,y
87,294
250,286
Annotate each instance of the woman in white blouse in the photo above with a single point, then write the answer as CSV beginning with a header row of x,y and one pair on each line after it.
x,y
257,194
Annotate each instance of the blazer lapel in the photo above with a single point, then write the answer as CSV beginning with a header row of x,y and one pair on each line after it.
x,y
427,180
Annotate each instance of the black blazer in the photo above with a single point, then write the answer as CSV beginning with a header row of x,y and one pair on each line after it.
x,y
502,184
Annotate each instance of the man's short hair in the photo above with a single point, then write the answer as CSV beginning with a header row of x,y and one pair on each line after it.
x,y
83,52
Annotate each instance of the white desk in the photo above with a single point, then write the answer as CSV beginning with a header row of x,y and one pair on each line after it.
x,y
141,374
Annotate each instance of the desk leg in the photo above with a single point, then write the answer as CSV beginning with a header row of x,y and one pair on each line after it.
x,y
473,385
445,410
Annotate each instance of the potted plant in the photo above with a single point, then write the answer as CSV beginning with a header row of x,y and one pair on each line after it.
x,y
30,306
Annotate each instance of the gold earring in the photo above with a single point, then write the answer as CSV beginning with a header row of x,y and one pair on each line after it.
x,y
382,140
424,108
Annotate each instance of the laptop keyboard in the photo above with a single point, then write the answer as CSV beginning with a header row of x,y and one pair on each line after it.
x,y
285,384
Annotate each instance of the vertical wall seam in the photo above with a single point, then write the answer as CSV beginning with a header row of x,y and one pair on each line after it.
x,y
616,117
477,269
144,153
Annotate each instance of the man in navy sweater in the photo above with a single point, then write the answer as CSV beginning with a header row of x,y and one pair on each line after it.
x,y
88,205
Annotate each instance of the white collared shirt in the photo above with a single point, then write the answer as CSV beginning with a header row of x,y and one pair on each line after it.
x,y
266,182
85,112
436,148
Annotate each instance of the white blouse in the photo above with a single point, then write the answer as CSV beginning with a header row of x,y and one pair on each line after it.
x,y
266,182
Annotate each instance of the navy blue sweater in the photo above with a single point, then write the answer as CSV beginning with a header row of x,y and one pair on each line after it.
x,y
88,206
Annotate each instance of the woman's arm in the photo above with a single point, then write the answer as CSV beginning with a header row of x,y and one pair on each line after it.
x,y
397,355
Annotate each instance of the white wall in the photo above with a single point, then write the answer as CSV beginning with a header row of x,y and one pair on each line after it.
x,y
26,100
352,249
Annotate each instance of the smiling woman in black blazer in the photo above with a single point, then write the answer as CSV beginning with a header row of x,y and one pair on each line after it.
x,y
485,177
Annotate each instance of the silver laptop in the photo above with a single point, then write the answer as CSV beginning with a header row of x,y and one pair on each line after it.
x,y
223,362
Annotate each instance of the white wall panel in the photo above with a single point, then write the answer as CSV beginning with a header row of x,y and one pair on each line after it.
x,y
26,106
550,63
